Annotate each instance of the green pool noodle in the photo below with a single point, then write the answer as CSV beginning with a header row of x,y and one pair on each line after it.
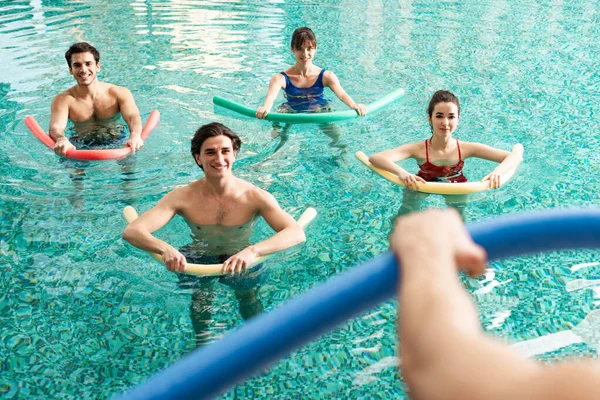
x,y
319,118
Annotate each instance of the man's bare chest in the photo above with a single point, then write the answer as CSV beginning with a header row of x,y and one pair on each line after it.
x,y
90,110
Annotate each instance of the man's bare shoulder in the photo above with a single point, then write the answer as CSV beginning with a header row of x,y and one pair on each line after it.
x,y
194,188
178,198
116,91
256,195
65,98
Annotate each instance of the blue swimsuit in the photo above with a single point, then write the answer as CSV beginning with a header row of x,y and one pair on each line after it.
x,y
305,99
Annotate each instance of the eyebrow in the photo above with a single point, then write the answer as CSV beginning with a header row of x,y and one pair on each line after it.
x,y
214,149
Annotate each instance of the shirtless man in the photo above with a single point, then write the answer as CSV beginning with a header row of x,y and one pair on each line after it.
x,y
445,354
220,209
91,101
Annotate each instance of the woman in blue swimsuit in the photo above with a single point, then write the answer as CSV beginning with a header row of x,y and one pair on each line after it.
x,y
304,82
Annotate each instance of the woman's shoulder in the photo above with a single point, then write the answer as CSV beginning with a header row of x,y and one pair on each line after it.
x,y
471,149
414,150
327,74
416,146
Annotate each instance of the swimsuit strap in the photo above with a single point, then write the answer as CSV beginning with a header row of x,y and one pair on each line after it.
x,y
427,151
319,81
458,146
287,79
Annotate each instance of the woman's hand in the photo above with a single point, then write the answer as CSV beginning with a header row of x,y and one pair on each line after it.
x,y
411,180
261,112
361,109
494,179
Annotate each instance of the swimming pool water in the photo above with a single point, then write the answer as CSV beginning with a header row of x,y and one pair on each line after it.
x,y
83,315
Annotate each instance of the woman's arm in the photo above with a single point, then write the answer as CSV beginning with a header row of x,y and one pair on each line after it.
x,y
506,159
332,82
387,160
277,82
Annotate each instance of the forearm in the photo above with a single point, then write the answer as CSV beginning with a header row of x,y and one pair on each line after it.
x,y
281,240
270,99
135,126
347,100
144,240
56,134
510,162
432,301
381,161
441,339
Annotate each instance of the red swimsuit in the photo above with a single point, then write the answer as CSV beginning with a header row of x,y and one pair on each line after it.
x,y
442,173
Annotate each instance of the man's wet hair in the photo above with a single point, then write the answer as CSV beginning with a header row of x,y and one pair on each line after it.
x,y
211,130
81,47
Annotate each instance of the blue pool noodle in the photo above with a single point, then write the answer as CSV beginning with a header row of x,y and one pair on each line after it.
x,y
209,371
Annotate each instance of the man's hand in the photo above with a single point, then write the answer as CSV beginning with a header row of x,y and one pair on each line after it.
x,y
135,143
62,145
440,234
238,263
174,260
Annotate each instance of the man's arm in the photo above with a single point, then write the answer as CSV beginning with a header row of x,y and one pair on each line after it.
x,y
288,234
139,233
445,355
131,115
58,122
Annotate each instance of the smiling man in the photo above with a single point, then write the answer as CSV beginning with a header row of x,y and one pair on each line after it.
x,y
220,210
93,106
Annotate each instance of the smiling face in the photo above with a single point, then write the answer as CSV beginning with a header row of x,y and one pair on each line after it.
x,y
444,119
305,53
216,156
84,68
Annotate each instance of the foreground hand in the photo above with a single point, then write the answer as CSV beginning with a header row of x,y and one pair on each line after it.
x,y
494,180
411,181
62,145
135,143
174,260
361,109
262,112
238,263
415,235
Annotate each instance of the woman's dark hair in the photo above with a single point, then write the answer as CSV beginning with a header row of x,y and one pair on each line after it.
x,y
442,96
81,47
302,35
211,130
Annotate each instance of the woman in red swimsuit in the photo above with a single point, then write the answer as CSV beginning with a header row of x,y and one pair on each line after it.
x,y
441,157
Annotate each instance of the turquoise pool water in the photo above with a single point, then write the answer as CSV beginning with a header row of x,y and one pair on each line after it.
x,y
83,315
